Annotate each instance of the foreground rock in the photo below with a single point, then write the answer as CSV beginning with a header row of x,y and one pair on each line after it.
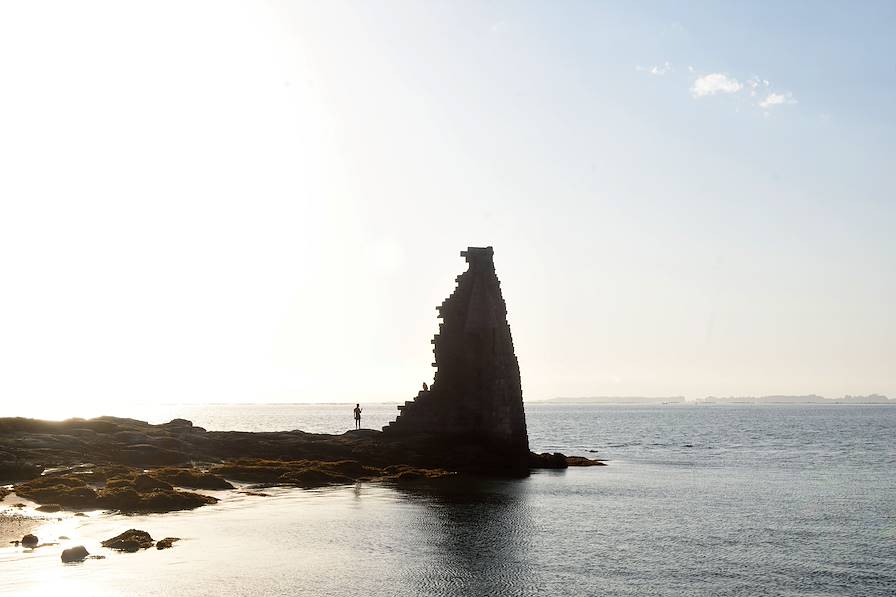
x,y
74,554
316,473
58,444
130,493
30,540
289,457
130,541
167,542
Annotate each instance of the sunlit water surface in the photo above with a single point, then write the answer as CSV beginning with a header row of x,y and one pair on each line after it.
x,y
697,500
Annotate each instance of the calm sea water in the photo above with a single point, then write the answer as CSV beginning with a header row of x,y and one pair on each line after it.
x,y
697,500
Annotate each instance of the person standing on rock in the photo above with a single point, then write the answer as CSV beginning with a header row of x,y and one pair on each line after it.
x,y
357,416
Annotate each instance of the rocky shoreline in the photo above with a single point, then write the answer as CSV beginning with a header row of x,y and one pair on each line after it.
x,y
133,466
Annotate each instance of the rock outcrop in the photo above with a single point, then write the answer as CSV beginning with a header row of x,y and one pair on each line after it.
x,y
476,399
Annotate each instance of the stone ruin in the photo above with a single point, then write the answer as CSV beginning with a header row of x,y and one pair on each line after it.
x,y
476,398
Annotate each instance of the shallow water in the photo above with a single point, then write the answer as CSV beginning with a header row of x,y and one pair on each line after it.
x,y
697,500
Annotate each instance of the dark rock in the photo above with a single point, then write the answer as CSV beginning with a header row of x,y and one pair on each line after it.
x,y
68,492
167,542
148,454
49,508
192,478
30,540
99,474
547,460
131,437
259,471
12,471
144,483
582,461
74,554
313,477
317,473
131,540
405,476
128,500
559,461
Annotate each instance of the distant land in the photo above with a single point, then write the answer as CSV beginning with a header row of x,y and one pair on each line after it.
x,y
619,400
809,399
777,399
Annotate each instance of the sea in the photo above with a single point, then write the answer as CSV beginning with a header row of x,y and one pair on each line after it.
x,y
697,500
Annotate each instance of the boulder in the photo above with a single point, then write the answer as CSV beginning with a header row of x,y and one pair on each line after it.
x,y
74,554
130,541
166,542
30,540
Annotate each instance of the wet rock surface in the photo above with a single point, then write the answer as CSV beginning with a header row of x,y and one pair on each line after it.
x,y
313,473
131,492
130,541
74,554
30,540
167,542
288,457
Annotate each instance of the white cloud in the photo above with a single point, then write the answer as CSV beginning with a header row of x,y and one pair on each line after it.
x,y
755,83
777,99
758,89
656,70
715,83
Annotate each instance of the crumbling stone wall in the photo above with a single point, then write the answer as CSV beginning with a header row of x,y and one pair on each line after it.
x,y
476,393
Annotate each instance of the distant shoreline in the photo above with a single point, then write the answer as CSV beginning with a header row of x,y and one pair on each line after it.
x,y
871,400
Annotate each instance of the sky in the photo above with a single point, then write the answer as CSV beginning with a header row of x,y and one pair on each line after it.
x,y
265,201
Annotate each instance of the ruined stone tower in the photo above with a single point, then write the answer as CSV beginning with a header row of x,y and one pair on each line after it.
x,y
476,397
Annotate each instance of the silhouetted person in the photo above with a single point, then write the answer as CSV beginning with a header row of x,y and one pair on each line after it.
x,y
357,416
425,387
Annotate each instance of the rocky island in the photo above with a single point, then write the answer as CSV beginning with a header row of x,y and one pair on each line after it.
x,y
470,422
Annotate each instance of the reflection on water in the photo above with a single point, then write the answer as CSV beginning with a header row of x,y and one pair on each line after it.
x,y
477,535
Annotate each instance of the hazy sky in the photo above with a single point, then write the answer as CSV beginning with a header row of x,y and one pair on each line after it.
x,y
265,201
